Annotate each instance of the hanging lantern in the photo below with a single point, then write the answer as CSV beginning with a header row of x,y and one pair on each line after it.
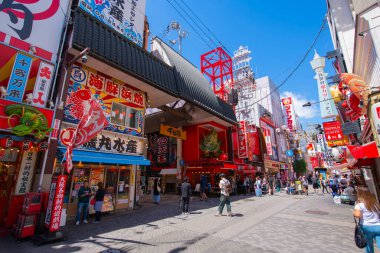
x,y
43,145
223,157
338,154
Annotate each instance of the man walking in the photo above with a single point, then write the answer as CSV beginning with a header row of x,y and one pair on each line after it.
x,y
225,190
186,193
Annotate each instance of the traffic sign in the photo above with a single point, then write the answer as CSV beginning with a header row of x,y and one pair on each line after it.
x,y
289,152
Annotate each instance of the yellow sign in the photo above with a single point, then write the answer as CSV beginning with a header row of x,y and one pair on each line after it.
x,y
172,132
342,142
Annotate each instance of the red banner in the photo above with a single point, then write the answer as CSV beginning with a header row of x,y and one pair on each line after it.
x,y
333,131
54,210
242,141
314,161
253,141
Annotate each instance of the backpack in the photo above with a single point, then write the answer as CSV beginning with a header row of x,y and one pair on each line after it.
x,y
228,186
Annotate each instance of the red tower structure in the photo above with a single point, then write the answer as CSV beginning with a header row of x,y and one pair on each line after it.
x,y
216,65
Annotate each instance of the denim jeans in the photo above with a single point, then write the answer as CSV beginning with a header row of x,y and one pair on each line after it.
x,y
84,207
185,204
224,200
371,232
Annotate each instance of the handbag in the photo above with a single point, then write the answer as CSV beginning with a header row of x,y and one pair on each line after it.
x,y
360,239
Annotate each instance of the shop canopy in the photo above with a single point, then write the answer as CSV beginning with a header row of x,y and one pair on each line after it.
x,y
107,158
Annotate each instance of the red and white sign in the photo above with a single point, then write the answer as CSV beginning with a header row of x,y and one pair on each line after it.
x,y
54,210
43,83
310,147
242,141
333,131
290,114
268,141
253,141
33,23
67,136
54,133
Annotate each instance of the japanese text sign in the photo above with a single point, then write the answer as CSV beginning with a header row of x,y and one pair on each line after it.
x,y
24,179
125,16
38,23
56,196
333,130
290,114
172,132
242,140
19,78
268,141
43,83
328,109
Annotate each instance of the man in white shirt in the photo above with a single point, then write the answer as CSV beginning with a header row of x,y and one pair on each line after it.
x,y
225,190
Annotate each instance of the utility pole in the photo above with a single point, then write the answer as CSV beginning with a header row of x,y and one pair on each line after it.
x,y
182,33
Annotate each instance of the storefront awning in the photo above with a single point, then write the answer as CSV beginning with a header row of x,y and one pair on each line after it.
x,y
368,150
168,172
107,158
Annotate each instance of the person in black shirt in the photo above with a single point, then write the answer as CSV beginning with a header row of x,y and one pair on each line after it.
x,y
186,194
99,198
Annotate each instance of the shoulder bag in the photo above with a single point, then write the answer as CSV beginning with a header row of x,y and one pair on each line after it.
x,y
360,239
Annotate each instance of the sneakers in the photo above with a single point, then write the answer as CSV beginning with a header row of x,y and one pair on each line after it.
x,y
77,223
218,215
85,221
187,213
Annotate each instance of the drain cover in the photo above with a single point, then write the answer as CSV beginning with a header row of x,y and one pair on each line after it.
x,y
316,212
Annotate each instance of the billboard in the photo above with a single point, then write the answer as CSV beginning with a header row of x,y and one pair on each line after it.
x,y
125,17
334,134
34,23
290,114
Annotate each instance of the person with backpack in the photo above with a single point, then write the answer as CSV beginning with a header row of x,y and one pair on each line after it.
x,y
225,190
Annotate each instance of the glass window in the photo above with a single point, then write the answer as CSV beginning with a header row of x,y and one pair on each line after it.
x,y
111,181
124,116
123,188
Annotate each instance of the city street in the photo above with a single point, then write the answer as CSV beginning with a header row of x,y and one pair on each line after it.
x,y
279,223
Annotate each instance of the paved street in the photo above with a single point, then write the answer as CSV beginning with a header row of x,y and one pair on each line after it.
x,y
268,224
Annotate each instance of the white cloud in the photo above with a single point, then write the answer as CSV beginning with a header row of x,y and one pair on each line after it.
x,y
299,100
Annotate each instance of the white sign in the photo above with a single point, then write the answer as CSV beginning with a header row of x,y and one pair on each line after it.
x,y
290,113
39,23
25,174
42,86
125,16
328,109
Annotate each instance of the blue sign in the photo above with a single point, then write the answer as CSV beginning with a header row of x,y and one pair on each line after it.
x,y
289,152
19,77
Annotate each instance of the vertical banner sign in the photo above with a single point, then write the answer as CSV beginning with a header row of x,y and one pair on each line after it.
x,y
43,83
126,17
374,117
24,179
56,195
242,141
19,78
268,142
290,114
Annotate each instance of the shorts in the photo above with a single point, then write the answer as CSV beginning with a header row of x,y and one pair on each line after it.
x,y
315,186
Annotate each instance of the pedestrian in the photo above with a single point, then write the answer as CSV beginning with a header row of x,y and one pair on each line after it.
x,y
156,191
99,198
225,190
246,185
278,185
203,187
271,184
324,186
186,194
367,209
84,194
258,191
314,180
305,184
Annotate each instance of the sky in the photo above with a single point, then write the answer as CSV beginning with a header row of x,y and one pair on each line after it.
x,y
278,33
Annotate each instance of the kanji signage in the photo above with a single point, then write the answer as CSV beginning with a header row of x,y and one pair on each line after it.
x,y
162,150
328,109
268,141
242,140
334,134
55,202
125,16
43,83
105,141
172,132
19,77
253,142
24,179
38,23
290,114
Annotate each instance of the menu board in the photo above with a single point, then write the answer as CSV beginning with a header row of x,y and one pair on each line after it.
x,y
108,205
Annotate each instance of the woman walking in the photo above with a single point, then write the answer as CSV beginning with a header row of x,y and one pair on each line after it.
x,y
156,191
367,209
99,198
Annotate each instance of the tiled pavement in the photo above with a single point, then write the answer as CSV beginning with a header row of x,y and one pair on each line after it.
x,y
269,224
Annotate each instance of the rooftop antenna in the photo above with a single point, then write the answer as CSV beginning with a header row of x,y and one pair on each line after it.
x,y
182,33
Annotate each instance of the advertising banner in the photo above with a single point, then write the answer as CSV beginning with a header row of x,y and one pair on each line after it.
x,y
328,109
19,77
43,83
55,202
172,132
290,113
333,130
24,179
125,17
374,116
242,140
37,23
253,141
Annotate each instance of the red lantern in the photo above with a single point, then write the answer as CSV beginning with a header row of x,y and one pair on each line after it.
x,y
223,157
43,145
26,145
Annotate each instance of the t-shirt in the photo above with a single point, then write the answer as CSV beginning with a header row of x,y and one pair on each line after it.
x,y
100,195
369,218
223,183
82,191
197,187
186,189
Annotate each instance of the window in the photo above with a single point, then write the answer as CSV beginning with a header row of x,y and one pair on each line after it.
x,y
124,116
